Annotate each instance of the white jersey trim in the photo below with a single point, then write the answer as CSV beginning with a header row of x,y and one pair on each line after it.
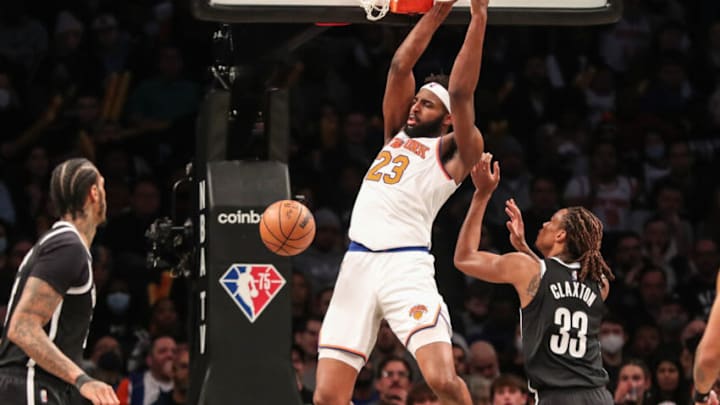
x,y
74,230
573,265
62,227
30,386
56,231
85,287
55,321
543,268
530,388
438,157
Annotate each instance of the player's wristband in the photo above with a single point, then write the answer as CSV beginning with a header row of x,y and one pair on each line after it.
x,y
81,380
702,398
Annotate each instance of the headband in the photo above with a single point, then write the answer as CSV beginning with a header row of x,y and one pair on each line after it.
x,y
440,91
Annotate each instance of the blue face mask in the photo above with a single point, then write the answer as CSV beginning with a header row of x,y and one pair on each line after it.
x,y
118,302
3,245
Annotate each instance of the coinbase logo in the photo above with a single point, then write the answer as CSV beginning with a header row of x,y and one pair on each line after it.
x,y
239,217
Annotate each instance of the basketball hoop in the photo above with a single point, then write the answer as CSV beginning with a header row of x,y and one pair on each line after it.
x,y
377,9
410,6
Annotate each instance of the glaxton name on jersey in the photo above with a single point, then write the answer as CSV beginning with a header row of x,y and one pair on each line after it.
x,y
573,289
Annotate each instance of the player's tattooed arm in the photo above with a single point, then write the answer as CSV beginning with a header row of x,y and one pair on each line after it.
x,y
37,304
533,285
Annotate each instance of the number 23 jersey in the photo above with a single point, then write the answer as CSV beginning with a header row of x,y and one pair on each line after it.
x,y
560,330
401,194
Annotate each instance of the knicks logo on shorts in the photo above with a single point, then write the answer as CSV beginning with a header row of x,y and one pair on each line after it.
x,y
418,312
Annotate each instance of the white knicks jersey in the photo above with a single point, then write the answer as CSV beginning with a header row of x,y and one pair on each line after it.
x,y
401,194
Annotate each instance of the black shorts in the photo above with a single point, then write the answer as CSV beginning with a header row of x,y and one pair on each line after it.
x,y
44,391
576,396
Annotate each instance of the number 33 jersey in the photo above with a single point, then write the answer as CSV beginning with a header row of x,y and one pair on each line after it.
x,y
560,330
401,194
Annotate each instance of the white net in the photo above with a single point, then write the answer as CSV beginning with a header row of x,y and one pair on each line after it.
x,y
375,9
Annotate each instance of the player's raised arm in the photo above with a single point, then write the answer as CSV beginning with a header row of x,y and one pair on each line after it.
x,y
516,226
512,268
400,87
463,81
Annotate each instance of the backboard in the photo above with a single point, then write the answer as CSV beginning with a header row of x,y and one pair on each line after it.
x,y
501,12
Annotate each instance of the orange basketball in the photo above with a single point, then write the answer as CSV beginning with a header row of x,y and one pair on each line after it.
x,y
287,227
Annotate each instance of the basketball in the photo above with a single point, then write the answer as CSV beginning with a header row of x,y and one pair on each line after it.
x,y
287,228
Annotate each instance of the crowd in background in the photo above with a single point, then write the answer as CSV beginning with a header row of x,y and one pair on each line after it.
x,y
623,119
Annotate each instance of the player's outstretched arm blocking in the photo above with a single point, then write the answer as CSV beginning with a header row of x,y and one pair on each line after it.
x,y
517,269
400,86
516,227
463,81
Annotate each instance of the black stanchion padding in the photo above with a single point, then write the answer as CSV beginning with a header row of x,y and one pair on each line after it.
x,y
242,336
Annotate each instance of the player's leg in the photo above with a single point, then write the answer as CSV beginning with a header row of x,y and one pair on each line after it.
x,y
335,380
436,363
418,316
348,332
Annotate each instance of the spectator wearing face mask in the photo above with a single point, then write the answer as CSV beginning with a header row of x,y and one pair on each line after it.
x,y
113,315
612,340
106,361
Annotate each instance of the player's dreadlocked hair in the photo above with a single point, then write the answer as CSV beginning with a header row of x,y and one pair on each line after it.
x,y
584,235
69,185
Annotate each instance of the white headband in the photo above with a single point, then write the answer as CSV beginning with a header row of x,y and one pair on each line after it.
x,y
440,91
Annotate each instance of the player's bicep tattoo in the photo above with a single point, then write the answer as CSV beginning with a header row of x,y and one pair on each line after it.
x,y
37,304
533,285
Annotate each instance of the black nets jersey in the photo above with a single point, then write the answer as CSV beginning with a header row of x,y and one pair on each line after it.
x,y
61,259
560,330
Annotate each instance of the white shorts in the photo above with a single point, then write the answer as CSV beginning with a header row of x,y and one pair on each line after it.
x,y
399,287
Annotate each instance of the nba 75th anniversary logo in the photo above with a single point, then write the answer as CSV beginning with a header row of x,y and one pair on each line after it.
x,y
252,286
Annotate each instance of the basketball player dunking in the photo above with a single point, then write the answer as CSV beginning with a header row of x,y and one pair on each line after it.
x,y
388,270
561,297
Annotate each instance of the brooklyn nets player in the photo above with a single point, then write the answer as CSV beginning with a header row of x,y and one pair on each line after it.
x,y
561,297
